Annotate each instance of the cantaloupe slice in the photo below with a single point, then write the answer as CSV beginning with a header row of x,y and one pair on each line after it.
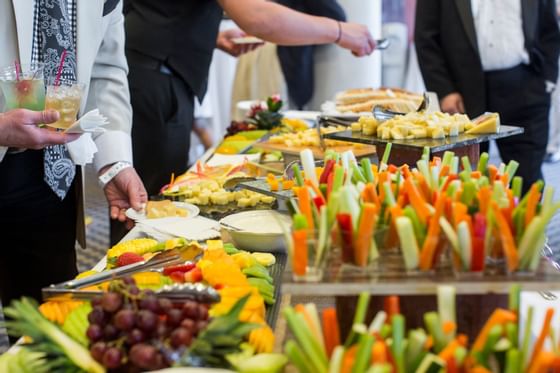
x,y
487,123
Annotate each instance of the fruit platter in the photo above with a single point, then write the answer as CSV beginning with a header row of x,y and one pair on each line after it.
x,y
363,100
214,311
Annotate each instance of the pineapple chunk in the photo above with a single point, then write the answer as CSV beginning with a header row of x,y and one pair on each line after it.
x,y
438,133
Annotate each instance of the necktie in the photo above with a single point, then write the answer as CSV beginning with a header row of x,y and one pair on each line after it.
x,y
55,35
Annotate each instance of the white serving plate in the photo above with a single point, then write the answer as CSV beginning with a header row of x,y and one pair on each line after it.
x,y
138,216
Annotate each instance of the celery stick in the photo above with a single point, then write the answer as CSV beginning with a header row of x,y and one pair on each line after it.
x,y
447,158
511,169
336,359
460,355
349,204
308,163
512,332
419,228
525,354
386,154
435,177
366,168
493,336
300,221
446,306
345,160
333,205
323,235
359,316
536,259
373,250
465,244
466,164
296,356
547,201
464,176
483,181
519,222
483,163
297,174
385,331
513,361
304,337
527,244
338,178
426,154
450,233
329,154
516,186
398,182
415,350
389,197
425,171
502,168
469,192
311,310
434,327
357,175
380,368
363,354
499,194
455,165
377,322
514,298
409,246
398,348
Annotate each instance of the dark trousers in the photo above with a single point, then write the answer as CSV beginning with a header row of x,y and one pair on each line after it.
x,y
519,95
37,229
163,114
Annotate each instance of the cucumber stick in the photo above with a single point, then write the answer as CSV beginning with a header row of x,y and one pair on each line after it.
x,y
296,357
450,233
363,355
415,350
446,306
435,329
336,359
409,246
465,244
377,322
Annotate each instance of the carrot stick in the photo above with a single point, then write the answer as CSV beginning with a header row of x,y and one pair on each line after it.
x,y
379,352
424,187
476,174
508,242
543,362
532,202
305,206
300,252
492,172
366,227
331,330
315,188
460,212
405,170
444,171
432,238
499,317
479,369
348,359
539,343
450,178
449,327
484,197
391,306
417,201
383,177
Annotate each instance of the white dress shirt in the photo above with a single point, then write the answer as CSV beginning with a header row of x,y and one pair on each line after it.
x,y
499,33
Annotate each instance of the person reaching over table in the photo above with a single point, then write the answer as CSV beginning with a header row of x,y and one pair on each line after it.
x,y
41,198
169,49
499,56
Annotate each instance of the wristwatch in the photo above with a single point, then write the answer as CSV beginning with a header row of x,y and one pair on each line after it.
x,y
113,171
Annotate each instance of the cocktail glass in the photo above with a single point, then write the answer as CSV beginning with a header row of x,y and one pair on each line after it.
x,y
65,97
24,88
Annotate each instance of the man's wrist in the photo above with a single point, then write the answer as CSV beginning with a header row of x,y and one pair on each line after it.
x,y
109,172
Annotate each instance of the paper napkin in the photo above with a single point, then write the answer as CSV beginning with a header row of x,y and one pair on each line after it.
x,y
83,149
92,121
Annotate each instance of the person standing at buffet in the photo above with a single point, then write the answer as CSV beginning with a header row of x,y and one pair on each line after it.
x,y
169,48
499,56
40,190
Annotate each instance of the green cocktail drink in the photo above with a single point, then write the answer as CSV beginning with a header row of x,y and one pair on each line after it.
x,y
23,89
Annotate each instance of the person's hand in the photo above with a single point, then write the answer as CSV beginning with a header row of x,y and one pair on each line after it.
x,y
356,38
18,129
225,43
123,191
452,104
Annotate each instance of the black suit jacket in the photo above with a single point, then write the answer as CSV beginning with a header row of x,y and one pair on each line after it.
x,y
447,47
297,62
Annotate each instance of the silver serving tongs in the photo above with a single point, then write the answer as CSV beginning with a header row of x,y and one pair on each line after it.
x,y
381,114
160,260
175,292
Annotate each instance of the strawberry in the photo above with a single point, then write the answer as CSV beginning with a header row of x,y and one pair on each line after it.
x,y
128,258
177,276
181,268
194,275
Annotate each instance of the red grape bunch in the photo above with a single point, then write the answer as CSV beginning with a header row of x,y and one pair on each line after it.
x,y
133,330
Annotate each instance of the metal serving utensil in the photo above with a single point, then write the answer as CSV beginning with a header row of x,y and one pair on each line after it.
x,y
381,114
175,292
382,44
160,260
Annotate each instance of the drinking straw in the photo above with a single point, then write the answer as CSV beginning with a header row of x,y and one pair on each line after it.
x,y
18,69
60,67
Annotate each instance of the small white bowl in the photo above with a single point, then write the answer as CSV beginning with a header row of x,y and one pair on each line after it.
x,y
259,230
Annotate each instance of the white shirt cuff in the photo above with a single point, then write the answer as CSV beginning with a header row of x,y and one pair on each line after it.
x,y
550,86
112,147
3,151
